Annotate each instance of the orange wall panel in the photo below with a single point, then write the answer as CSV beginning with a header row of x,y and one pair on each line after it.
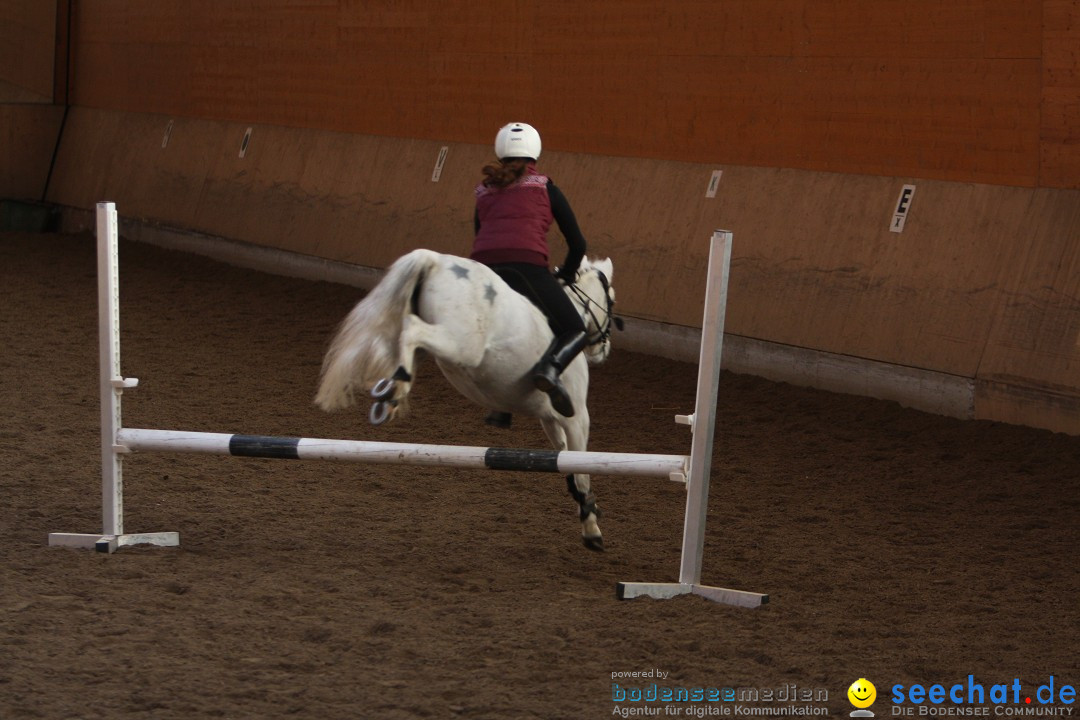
x,y
1060,146
956,91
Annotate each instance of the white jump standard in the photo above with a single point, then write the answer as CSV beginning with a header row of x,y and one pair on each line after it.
x,y
703,424
116,441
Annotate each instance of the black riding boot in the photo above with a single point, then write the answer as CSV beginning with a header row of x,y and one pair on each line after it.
x,y
546,373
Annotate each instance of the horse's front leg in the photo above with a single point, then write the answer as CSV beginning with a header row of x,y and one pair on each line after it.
x,y
573,434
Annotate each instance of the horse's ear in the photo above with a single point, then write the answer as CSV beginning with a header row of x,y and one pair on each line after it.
x,y
605,266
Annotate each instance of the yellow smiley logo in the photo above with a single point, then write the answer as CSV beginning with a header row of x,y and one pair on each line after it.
x,y
862,693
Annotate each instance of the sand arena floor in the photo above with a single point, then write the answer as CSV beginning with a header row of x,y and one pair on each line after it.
x,y
895,545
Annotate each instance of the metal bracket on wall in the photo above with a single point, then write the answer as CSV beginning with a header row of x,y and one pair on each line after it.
x,y
439,162
168,134
903,204
244,143
714,183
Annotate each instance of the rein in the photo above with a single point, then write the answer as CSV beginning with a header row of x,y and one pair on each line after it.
x,y
587,304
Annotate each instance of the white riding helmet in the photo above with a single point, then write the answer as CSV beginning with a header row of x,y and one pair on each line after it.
x,y
517,140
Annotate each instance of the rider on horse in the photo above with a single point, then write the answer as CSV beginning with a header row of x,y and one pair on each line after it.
x,y
515,206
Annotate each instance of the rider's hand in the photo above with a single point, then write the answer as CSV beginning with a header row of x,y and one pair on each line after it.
x,y
566,275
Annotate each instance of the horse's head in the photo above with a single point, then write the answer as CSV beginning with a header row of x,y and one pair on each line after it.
x,y
594,295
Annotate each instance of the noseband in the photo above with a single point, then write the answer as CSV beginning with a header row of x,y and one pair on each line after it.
x,y
588,305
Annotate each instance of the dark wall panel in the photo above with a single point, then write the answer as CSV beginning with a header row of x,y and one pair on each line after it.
x,y
27,50
28,137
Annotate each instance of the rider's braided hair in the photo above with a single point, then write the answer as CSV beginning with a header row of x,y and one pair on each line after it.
x,y
505,172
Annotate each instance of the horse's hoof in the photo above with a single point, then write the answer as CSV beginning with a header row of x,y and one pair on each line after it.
x,y
594,543
384,389
381,412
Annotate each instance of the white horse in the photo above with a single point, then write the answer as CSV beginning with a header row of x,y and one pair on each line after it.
x,y
485,338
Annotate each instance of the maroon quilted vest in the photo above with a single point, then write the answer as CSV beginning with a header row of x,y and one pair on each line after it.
x,y
514,221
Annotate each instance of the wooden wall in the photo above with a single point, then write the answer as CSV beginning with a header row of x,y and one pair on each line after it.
x,y
983,283
816,112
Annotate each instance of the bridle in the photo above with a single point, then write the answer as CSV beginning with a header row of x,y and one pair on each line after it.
x,y
590,308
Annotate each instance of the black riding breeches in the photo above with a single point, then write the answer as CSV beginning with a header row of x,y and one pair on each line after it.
x,y
545,292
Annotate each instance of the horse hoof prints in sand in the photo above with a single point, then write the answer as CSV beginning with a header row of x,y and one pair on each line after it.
x,y
485,338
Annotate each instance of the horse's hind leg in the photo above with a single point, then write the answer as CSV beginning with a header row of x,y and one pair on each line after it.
x,y
573,434
390,393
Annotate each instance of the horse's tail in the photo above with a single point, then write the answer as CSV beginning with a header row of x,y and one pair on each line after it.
x,y
365,349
